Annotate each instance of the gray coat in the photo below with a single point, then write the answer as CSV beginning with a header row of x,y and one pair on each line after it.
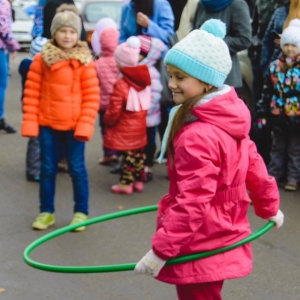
x,y
236,16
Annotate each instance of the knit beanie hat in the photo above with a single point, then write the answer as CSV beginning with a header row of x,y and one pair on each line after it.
x,y
37,45
203,54
127,53
67,15
291,34
145,44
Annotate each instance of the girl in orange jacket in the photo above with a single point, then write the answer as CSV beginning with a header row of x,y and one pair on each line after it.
x,y
60,105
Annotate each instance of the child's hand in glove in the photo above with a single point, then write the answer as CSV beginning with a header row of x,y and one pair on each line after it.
x,y
278,219
150,264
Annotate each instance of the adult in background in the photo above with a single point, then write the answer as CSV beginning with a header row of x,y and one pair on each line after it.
x,y
148,17
7,43
262,15
177,8
235,14
38,21
271,39
187,19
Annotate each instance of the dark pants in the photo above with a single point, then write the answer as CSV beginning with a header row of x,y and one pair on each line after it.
x,y
285,150
151,146
261,136
33,160
106,151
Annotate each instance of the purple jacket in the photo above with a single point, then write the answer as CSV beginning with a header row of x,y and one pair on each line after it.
x,y
217,171
6,38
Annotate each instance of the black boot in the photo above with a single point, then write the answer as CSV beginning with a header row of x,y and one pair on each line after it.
x,y
4,126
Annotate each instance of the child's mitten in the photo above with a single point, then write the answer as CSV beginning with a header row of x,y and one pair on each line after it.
x,y
150,264
278,219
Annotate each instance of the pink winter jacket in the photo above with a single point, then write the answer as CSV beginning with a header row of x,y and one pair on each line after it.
x,y
106,65
206,208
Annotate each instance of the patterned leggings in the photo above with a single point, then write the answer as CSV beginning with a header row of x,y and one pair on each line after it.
x,y
132,166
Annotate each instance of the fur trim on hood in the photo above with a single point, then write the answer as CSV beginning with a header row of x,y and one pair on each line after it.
x,y
52,54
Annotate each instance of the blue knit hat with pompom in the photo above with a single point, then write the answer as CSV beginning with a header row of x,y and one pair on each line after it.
x,y
203,54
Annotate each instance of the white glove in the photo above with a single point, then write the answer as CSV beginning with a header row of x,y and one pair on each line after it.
x,y
278,219
150,264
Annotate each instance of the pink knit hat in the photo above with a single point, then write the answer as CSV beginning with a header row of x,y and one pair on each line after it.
x,y
145,44
127,53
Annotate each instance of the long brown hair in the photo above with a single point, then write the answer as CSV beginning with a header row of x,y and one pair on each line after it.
x,y
181,117
294,12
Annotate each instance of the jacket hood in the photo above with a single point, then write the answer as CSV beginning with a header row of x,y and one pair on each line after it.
x,y
137,77
156,50
109,39
225,110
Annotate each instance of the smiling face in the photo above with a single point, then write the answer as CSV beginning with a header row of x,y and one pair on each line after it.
x,y
290,50
66,38
184,86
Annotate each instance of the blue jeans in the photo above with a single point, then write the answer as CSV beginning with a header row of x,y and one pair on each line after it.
x,y
49,146
3,81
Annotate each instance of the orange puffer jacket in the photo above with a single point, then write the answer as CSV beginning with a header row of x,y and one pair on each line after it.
x,y
62,92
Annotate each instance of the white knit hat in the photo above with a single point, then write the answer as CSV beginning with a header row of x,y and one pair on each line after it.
x,y
291,34
203,54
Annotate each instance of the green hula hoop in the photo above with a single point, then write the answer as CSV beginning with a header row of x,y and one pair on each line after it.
x,y
122,267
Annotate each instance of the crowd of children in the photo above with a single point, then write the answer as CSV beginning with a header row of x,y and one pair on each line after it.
x,y
213,166
128,86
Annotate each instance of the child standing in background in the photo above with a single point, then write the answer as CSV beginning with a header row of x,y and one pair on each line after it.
x,y
33,160
125,116
60,105
151,51
280,105
212,164
107,71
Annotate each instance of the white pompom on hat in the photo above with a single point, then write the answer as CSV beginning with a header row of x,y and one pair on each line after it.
x,y
203,54
127,53
291,34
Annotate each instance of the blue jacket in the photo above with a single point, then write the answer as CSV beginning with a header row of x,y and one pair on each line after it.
x,y
161,22
271,51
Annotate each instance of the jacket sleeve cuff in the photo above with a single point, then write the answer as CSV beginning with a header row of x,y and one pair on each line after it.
x,y
30,129
84,132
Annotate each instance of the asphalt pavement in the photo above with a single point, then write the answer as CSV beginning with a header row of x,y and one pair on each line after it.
x,y
276,270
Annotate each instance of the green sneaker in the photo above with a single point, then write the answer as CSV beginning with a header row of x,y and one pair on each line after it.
x,y
79,218
43,221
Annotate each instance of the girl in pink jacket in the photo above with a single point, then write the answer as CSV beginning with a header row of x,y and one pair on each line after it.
x,y
214,171
108,73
